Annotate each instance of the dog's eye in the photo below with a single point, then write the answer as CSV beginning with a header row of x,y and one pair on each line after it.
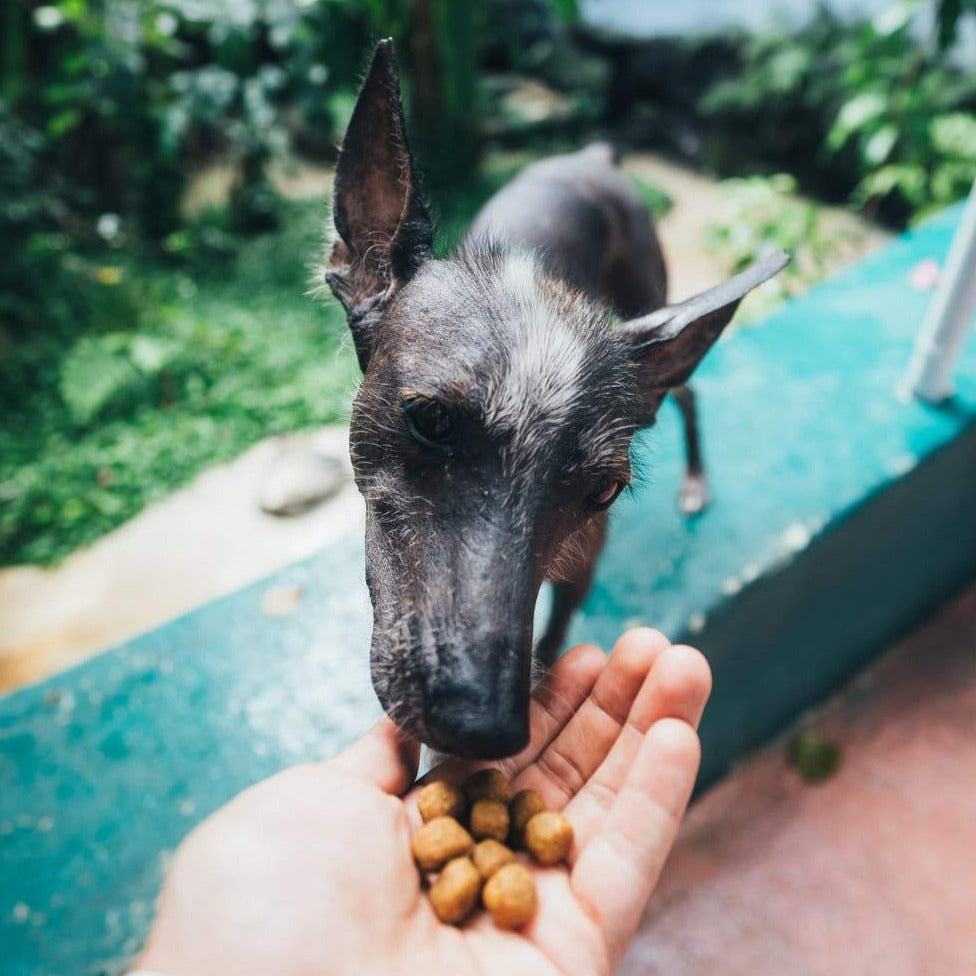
x,y
606,494
429,421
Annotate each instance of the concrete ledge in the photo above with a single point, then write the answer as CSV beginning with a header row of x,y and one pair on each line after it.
x,y
788,640
841,515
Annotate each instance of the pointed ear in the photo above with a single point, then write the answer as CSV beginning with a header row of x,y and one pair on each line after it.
x,y
668,344
383,231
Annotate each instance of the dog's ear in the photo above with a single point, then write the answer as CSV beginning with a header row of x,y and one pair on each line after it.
x,y
383,230
668,344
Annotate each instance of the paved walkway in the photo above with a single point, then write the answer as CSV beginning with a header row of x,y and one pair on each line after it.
x,y
872,872
199,544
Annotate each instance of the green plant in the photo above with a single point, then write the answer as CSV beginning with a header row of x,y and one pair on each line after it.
x,y
947,16
655,199
198,370
32,209
863,107
901,119
102,371
763,214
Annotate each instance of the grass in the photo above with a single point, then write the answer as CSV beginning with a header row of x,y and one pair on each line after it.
x,y
189,363
256,357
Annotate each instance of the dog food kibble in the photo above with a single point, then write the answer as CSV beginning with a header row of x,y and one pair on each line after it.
x,y
492,815
510,896
548,837
525,805
489,818
455,892
440,799
487,784
489,856
440,840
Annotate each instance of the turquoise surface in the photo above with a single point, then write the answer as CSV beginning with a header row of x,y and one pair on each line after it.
x,y
104,768
801,424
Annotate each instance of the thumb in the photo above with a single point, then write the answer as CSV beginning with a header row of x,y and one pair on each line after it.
x,y
384,756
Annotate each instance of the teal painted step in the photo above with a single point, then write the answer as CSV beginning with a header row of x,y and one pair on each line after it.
x,y
841,515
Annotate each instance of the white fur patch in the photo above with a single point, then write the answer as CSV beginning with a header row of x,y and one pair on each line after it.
x,y
519,276
545,363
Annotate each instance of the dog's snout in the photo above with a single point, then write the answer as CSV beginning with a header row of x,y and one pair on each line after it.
x,y
479,707
463,726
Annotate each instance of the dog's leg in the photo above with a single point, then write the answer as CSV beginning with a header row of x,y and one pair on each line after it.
x,y
570,592
694,490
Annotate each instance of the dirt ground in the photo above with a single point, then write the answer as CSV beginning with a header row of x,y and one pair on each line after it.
x,y
211,537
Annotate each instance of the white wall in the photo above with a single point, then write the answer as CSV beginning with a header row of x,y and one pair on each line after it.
x,y
645,19
656,18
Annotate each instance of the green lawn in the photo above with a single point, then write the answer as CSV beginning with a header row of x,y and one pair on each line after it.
x,y
192,362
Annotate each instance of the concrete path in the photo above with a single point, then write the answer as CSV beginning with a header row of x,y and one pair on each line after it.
x,y
207,540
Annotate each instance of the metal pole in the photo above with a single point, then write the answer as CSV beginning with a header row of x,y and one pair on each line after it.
x,y
949,316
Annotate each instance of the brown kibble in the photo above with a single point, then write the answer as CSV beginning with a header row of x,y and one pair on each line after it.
x,y
487,784
439,841
525,805
489,856
489,818
440,799
548,837
510,896
454,893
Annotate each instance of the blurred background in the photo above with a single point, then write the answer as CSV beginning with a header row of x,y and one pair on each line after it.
x,y
164,172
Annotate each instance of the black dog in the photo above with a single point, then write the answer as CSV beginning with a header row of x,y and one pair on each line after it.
x,y
501,389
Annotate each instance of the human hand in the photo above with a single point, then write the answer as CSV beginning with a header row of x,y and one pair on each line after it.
x,y
310,871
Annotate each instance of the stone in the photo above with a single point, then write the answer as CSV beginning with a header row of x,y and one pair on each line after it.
x,y
300,477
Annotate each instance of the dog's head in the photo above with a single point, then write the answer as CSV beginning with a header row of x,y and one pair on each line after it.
x,y
492,426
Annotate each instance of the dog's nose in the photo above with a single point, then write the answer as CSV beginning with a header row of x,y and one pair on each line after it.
x,y
462,728
478,719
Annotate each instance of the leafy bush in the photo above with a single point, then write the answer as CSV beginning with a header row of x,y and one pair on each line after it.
x,y
865,108
42,282
102,371
95,430
107,106
763,214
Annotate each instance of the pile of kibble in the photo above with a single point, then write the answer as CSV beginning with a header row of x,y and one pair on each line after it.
x,y
463,842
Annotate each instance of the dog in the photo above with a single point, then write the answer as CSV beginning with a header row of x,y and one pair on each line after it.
x,y
501,389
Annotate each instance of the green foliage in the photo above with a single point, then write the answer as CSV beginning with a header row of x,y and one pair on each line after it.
x,y
219,354
655,199
105,370
863,106
763,214
108,106
30,213
900,122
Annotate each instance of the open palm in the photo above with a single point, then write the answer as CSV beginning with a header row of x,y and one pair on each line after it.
x,y
310,872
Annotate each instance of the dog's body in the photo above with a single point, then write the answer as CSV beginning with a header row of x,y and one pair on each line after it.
x,y
500,395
